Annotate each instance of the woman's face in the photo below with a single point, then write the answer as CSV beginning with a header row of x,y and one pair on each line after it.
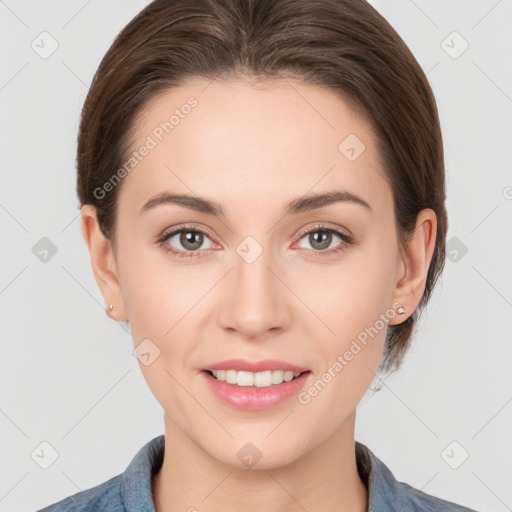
x,y
263,280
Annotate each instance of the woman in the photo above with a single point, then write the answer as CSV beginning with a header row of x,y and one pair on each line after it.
x,y
262,189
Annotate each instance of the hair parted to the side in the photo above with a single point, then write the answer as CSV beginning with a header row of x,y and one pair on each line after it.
x,y
344,45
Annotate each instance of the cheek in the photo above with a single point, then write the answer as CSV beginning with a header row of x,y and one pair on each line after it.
x,y
350,358
347,297
156,300
155,294
352,300
145,303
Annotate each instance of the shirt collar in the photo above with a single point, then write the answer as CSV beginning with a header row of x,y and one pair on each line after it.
x,y
137,494
136,486
383,491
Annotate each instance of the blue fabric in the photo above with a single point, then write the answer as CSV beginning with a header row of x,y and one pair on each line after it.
x,y
131,491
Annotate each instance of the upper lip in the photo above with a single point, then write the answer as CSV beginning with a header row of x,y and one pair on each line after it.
x,y
255,366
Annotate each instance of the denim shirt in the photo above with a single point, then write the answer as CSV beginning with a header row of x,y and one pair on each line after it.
x,y
131,491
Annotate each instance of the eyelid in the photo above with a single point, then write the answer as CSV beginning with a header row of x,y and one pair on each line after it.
x,y
300,234
343,233
180,254
181,227
325,226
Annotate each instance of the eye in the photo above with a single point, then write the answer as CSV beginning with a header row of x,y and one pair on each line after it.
x,y
190,239
322,237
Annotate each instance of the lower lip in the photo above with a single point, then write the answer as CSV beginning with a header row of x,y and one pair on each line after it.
x,y
252,398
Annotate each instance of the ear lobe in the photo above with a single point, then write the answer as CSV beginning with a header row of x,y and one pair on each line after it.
x,y
414,263
102,261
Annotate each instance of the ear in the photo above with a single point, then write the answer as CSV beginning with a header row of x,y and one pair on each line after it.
x,y
103,263
413,265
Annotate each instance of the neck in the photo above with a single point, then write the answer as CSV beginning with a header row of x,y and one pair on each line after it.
x,y
325,478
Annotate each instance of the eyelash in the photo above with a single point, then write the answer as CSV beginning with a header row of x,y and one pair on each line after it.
x,y
346,240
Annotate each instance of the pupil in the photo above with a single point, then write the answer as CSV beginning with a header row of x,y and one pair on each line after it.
x,y
191,239
323,242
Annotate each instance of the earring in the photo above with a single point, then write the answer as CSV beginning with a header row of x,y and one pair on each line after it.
x,y
400,310
111,307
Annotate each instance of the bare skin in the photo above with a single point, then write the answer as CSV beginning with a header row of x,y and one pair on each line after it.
x,y
253,149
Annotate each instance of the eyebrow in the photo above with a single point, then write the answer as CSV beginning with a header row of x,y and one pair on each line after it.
x,y
294,207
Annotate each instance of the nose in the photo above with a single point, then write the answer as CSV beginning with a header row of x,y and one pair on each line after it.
x,y
256,301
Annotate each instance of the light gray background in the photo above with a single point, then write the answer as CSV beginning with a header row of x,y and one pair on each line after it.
x,y
68,376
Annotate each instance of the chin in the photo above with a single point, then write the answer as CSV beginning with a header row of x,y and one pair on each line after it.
x,y
264,455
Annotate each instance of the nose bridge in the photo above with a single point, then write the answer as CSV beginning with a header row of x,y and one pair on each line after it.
x,y
256,302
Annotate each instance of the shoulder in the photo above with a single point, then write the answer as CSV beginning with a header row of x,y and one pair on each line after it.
x,y
418,501
386,494
129,490
105,496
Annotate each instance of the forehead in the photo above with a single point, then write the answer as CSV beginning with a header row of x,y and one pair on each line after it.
x,y
242,141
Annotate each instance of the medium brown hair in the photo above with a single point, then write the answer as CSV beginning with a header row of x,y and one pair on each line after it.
x,y
344,45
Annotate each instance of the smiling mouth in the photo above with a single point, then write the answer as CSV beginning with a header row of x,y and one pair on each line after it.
x,y
263,379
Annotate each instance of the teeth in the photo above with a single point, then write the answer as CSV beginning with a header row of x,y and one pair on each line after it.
x,y
258,379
